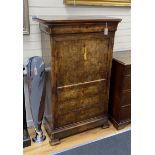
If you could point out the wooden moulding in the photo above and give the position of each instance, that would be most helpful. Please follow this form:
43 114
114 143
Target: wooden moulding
78 28
120 125
68 130
78 24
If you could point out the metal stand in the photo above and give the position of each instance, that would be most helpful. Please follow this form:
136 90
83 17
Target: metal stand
39 137
36 85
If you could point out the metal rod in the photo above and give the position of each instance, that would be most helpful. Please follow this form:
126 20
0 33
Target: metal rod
47 69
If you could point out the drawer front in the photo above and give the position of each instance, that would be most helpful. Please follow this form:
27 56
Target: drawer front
79 115
75 104
126 83
127 70
83 28
82 58
125 113
126 98
95 111
81 96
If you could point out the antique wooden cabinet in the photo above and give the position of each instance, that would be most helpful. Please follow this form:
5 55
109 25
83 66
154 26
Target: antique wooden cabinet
120 89
79 53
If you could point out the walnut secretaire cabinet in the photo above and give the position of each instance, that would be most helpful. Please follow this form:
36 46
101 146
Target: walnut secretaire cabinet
80 56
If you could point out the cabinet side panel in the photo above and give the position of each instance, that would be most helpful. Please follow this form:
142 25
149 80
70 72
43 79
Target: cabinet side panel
46 54
115 89
46 48
109 66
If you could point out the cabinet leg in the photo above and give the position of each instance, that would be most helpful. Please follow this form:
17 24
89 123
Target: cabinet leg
54 142
106 125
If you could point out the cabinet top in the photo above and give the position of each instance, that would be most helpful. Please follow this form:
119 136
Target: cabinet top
75 19
123 57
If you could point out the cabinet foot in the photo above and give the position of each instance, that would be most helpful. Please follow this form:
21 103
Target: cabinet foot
105 126
54 142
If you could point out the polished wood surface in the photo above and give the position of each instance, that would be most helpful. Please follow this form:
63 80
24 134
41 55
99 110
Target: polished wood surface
80 57
69 142
120 90
77 24
123 57
75 19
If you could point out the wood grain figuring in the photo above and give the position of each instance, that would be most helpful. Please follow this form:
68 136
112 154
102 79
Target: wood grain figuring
79 115
126 83
120 91
126 98
78 28
80 56
125 113
69 142
92 69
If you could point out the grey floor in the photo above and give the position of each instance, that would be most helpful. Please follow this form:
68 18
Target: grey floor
119 144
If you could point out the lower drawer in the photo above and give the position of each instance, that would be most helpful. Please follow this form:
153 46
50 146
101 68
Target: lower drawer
79 115
84 102
127 70
125 113
81 96
126 98
126 83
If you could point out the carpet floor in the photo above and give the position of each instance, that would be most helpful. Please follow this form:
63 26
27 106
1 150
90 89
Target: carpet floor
119 144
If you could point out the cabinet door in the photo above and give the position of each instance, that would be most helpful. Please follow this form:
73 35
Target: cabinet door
69 62
81 58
